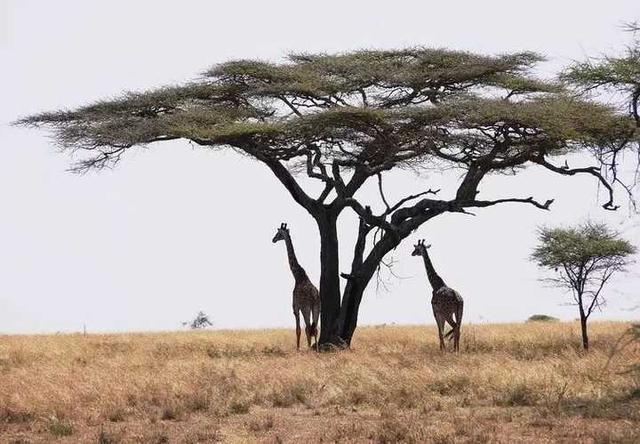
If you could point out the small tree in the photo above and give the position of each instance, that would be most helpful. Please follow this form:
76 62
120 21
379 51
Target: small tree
584 257
200 321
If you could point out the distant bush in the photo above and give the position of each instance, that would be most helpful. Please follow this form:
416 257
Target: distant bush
542 318
200 321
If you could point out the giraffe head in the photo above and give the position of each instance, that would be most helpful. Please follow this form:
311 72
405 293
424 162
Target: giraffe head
281 233
420 248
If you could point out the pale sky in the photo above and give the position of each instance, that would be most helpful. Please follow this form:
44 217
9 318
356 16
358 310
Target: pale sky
175 229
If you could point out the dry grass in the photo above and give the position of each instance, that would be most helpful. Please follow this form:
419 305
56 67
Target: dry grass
514 382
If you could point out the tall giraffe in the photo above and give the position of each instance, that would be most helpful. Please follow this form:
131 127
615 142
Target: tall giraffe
446 302
306 299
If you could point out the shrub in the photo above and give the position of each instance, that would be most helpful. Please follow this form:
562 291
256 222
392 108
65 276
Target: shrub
542 318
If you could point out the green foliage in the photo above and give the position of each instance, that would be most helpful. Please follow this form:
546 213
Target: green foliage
522 85
559 117
581 246
620 73
362 107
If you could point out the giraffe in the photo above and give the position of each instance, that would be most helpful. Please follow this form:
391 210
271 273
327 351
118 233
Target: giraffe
446 302
306 298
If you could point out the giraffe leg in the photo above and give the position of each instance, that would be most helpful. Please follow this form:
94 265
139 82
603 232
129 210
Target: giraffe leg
440 324
315 314
443 347
308 330
451 333
456 336
298 331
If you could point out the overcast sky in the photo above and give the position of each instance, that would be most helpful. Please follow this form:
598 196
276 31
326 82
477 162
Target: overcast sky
176 229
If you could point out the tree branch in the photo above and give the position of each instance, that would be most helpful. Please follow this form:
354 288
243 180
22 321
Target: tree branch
325 192
384 199
286 178
411 197
488 203
594 171
313 161
596 294
290 105
337 177
367 215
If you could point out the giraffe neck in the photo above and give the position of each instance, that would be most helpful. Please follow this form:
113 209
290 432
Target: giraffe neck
434 279
297 270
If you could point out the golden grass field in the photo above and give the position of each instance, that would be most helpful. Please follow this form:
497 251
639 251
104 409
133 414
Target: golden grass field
525 382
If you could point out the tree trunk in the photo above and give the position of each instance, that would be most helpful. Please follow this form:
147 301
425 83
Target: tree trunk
583 326
348 319
361 275
329 278
350 307
362 271
339 321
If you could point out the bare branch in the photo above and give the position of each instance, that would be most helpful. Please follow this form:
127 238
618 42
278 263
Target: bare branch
488 203
412 197
367 216
594 171
290 105
286 178
313 162
384 199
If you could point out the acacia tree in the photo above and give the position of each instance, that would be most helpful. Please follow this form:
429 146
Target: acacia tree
347 119
618 75
585 258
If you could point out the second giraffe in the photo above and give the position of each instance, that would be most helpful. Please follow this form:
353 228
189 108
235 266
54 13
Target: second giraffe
306 299
446 302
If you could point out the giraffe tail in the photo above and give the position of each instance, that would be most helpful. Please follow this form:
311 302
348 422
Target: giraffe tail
313 329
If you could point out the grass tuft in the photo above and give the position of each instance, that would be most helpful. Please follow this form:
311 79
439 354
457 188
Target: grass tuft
60 428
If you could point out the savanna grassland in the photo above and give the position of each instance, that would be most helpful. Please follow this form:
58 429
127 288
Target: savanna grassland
510 383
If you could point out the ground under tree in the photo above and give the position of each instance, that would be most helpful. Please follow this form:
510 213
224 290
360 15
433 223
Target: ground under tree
350 118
